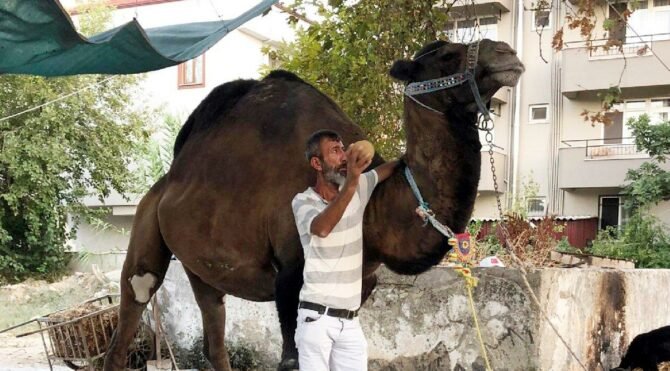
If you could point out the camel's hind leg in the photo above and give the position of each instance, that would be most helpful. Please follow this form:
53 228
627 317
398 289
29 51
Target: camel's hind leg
213 309
143 271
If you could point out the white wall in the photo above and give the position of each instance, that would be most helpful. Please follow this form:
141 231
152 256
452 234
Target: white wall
662 212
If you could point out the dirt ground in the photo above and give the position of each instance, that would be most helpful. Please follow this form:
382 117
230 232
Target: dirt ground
30 299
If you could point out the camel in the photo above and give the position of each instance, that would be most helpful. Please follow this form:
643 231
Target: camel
224 207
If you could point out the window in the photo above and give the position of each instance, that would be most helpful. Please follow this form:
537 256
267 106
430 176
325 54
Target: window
539 114
611 212
658 110
541 19
191 74
650 20
467 30
536 206
617 29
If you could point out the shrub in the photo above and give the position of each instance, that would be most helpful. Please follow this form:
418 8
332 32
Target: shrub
643 239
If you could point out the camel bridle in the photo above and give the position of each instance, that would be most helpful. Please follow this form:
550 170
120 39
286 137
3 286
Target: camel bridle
450 81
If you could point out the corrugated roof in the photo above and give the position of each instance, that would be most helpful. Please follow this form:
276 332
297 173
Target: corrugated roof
536 218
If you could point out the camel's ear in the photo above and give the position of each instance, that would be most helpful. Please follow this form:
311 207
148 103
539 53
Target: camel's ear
405 70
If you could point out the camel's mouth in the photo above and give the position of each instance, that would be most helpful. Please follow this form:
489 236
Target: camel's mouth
507 75
516 66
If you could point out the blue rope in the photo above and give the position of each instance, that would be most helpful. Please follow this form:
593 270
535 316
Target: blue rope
424 210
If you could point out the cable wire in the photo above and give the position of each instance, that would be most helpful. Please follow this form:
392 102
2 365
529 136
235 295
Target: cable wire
62 97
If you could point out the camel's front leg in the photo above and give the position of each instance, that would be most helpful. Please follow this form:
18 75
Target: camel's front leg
143 271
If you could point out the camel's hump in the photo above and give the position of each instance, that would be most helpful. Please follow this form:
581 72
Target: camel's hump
284 75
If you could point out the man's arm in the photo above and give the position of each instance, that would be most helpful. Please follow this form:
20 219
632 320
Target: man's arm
386 169
324 223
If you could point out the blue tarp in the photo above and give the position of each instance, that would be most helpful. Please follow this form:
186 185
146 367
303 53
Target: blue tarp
38 37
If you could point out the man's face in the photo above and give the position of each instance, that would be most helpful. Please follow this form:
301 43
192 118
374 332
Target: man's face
334 161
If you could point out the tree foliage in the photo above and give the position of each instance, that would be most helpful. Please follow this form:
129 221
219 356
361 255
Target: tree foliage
649 184
157 154
643 238
52 157
349 52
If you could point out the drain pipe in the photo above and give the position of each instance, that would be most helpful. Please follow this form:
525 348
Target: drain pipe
516 106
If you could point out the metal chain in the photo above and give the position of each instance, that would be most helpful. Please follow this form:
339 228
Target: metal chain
489 140
484 125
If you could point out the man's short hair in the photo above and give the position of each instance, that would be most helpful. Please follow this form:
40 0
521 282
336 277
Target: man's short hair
314 143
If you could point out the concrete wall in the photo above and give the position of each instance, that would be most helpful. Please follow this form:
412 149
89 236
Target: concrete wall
104 245
486 206
584 202
486 180
662 212
424 322
578 171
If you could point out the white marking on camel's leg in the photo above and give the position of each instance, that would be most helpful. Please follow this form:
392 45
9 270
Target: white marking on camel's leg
142 286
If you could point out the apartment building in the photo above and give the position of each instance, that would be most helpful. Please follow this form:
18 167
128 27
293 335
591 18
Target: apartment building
577 169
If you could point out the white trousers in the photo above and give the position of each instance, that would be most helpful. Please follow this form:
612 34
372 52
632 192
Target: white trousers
328 343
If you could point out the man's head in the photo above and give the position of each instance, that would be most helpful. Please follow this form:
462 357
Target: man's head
325 153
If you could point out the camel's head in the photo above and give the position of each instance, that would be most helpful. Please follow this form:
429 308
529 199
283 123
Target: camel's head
497 66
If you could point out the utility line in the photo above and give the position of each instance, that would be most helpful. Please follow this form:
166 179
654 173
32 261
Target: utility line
62 97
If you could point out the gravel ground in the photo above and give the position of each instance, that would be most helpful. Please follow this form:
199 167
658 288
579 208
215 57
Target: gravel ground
26 353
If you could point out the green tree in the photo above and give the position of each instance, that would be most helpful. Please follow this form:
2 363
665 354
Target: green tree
157 155
52 157
643 238
649 184
349 52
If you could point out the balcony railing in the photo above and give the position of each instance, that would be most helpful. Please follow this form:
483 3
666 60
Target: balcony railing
606 148
633 45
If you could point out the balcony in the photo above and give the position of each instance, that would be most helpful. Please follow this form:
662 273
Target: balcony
598 163
486 180
585 73
483 7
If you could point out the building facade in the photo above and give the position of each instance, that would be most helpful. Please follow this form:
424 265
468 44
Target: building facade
552 161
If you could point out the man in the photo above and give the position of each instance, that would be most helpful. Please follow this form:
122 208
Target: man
329 217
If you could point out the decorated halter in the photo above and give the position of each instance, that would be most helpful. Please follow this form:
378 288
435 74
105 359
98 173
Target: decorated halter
446 82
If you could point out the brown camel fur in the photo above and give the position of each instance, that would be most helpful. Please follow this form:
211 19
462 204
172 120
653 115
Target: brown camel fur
224 208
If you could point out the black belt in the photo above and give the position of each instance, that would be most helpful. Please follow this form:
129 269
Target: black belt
321 309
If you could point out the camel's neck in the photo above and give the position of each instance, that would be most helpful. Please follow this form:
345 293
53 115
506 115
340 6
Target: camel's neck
443 153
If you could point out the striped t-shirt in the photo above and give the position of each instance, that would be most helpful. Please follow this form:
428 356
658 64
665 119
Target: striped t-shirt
334 264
